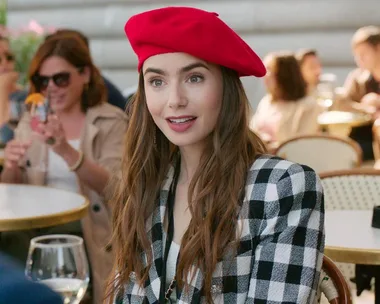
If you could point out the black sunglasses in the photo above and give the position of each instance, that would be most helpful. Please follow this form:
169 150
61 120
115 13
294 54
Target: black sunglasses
61 80
8 57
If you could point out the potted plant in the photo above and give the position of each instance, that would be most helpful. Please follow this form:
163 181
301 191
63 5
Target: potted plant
24 43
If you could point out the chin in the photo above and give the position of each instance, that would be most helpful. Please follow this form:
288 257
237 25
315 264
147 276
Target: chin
60 108
185 140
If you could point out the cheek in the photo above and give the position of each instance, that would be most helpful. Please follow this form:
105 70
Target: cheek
74 89
211 104
154 102
366 58
269 81
11 65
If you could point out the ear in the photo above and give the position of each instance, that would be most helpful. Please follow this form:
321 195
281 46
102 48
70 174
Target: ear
86 74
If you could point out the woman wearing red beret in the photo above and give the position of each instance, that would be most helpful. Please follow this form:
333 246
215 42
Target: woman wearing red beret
201 214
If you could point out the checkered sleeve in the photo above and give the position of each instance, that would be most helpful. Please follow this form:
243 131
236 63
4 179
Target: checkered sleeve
288 258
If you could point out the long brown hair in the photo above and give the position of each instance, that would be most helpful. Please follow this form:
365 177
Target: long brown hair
74 51
219 182
290 84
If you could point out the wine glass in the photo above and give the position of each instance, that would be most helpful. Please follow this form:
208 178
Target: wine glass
36 156
325 95
326 90
60 262
16 109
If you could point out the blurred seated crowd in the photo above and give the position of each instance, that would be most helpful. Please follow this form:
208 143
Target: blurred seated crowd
297 91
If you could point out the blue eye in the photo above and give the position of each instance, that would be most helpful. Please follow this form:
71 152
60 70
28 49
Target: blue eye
195 78
156 82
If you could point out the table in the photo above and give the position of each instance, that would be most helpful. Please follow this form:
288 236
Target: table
27 207
340 123
351 239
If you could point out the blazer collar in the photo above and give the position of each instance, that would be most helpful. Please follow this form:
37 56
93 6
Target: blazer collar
155 230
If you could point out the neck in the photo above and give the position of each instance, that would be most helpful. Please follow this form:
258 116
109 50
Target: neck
190 157
311 88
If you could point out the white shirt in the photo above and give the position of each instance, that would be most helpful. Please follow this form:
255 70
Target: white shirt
58 173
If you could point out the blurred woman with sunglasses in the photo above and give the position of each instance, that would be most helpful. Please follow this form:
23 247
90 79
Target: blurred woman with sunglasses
9 91
84 136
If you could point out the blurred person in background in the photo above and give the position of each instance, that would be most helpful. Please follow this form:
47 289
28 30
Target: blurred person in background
363 84
16 288
87 135
286 110
10 92
311 68
115 96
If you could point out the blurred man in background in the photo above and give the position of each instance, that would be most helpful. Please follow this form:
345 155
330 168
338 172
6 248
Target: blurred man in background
363 84
10 93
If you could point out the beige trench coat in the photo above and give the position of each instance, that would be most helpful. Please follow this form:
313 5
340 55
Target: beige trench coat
101 142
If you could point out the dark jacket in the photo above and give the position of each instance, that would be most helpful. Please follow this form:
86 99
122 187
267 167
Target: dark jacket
16 289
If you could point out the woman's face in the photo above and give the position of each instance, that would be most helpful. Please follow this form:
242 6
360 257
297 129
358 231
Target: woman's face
311 69
184 96
63 82
7 62
269 78
367 56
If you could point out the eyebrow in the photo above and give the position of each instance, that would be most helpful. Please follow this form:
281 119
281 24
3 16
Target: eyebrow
182 70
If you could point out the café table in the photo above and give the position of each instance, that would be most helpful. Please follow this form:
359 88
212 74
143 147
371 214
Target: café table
350 238
340 123
28 207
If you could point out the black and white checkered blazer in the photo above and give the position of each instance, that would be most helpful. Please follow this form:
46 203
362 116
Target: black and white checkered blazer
281 245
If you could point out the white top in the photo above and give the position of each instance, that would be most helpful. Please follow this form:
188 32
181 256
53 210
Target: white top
58 174
351 229
171 266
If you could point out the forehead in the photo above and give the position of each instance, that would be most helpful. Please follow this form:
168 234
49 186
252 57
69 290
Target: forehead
171 62
311 60
363 47
55 64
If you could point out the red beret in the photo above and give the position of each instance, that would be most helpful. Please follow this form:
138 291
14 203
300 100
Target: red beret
193 31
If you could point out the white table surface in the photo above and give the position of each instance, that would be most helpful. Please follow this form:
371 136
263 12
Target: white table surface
340 117
26 207
350 236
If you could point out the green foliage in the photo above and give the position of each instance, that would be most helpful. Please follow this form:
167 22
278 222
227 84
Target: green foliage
24 46
3 12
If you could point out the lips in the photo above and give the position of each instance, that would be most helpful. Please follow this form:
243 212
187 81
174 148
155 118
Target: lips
180 120
181 123
56 98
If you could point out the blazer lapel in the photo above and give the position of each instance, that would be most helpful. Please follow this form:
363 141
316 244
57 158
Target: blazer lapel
155 230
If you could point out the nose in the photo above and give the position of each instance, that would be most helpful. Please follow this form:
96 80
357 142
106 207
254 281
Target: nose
51 86
176 98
